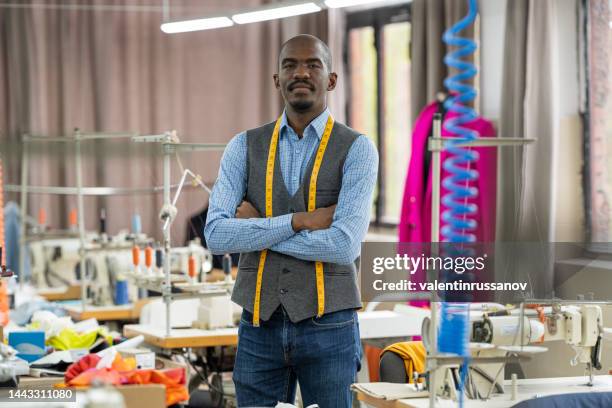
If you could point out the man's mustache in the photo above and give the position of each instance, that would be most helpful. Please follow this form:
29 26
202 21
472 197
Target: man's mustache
296 83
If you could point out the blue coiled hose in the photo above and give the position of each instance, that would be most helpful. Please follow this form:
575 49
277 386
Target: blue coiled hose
458 224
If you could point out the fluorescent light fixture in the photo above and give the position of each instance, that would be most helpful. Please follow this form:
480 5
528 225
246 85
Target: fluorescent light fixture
196 25
275 13
610 23
347 3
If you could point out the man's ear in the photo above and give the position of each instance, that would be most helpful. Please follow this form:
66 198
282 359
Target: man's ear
333 79
276 81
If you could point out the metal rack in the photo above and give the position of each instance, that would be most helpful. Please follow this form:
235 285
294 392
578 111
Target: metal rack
170 144
436 145
77 138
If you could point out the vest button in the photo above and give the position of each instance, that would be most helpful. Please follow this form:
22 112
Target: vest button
283 291
285 270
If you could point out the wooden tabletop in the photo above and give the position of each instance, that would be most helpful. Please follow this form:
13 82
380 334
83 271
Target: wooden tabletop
527 389
72 292
106 313
183 338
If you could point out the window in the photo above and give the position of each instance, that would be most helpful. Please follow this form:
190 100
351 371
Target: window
378 65
598 144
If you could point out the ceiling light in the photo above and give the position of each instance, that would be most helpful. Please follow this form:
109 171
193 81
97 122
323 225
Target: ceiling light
195 25
275 13
347 3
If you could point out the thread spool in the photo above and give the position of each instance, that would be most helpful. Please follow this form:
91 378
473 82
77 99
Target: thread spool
121 292
453 334
103 221
192 266
136 224
227 264
148 257
73 219
136 256
159 258
42 217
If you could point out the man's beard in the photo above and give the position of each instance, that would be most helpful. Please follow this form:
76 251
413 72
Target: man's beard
300 106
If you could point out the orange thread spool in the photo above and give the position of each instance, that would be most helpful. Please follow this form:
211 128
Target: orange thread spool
42 216
192 266
136 255
148 256
72 217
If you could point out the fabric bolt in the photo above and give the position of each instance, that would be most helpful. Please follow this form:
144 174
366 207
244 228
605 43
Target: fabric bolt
322 354
351 218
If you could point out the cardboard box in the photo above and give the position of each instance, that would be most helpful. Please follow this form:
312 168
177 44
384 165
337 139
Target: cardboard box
33 383
143 395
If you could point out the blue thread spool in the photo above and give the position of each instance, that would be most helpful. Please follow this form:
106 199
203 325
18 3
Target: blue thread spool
121 292
136 224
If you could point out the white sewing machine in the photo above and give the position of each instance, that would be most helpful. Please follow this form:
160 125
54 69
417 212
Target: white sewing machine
498 334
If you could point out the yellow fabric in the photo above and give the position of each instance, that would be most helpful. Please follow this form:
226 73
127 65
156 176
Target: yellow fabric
312 197
413 353
68 339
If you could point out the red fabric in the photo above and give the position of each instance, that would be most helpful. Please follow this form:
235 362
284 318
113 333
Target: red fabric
83 373
85 363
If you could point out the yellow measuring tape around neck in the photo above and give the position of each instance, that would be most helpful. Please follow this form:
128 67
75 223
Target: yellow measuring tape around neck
312 202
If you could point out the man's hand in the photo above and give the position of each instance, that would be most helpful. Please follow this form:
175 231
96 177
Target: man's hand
246 210
319 219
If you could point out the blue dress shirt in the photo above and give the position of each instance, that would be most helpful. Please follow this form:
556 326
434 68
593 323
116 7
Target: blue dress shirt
340 243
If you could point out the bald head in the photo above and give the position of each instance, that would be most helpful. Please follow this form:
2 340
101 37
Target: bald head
307 40
304 74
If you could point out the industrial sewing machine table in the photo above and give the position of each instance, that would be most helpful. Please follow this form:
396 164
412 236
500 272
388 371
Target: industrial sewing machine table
527 389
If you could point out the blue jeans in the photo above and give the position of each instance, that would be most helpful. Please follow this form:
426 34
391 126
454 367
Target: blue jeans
322 354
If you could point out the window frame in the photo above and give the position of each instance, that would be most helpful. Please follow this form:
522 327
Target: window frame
376 18
585 26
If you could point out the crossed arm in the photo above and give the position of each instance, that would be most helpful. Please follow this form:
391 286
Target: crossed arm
331 234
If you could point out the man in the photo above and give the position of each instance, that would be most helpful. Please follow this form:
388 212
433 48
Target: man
294 198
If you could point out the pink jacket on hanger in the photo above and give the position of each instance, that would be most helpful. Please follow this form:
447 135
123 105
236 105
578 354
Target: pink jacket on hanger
415 220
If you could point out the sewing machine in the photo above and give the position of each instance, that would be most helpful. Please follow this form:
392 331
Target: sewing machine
499 335
55 262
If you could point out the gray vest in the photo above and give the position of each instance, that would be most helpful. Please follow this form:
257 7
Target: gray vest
286 280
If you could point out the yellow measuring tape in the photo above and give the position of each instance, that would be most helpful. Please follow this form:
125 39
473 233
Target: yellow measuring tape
312 201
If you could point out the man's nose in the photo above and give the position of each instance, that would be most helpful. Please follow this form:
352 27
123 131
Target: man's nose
301 72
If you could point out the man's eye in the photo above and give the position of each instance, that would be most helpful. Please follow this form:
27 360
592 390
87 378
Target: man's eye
289 66
313 66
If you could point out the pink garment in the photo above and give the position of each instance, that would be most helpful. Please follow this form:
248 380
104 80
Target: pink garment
415 220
